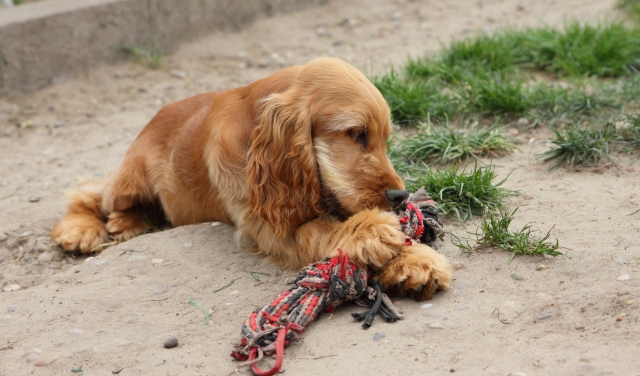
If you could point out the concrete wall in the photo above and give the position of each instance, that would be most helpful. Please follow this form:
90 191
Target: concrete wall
57 38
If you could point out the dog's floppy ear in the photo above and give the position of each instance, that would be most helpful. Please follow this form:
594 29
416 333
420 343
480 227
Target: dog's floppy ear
282 172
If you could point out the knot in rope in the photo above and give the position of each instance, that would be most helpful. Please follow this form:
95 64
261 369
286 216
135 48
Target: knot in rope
419 218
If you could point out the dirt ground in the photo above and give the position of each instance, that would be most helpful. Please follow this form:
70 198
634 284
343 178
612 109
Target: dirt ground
109 311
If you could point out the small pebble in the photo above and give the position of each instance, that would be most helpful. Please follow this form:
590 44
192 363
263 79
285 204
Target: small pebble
460 307
159 289
517 277
41 247
396 15
43 362
377 336
178 74
170 342
428 305
435 325
630 302
414 329
157 261
34 198
31 358
11 287
58 124
75 331
519 374
117 370
432 314
172 235
26 233
12 309
98 262
528 289
522 122
621 316
543 316
3 236
187 245
215 224
235 292
624 277
76 369
542 267
322 32
45 257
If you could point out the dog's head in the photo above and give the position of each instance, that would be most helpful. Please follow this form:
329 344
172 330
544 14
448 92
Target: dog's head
320 146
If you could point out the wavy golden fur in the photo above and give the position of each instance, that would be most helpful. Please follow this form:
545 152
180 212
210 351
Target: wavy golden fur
296 161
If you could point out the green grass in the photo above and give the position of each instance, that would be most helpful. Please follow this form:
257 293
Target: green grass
149 56
461 193
494 232
443 143
630 134
630 7
493 74
413 100
603 50
580 147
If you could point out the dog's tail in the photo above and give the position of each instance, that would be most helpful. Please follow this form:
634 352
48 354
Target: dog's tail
83 228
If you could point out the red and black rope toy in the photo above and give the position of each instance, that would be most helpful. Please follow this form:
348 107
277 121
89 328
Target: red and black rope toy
322 286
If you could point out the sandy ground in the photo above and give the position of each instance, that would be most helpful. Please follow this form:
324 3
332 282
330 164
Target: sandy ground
103 313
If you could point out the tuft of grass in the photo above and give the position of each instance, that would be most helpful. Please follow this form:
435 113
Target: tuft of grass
575 146
630 134
463 194
495 94
149 56
494 232
630 7
442 143
414 100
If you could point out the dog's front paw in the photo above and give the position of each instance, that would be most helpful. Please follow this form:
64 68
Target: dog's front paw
371 238
418 271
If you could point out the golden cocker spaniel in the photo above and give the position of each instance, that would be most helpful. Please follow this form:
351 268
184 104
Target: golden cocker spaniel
296 162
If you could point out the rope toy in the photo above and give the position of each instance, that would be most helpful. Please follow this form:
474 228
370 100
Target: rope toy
322 286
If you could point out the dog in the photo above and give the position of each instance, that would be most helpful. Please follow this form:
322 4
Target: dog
295 161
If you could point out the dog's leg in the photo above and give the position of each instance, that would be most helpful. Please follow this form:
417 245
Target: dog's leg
83 227
371 238
418 271
129 202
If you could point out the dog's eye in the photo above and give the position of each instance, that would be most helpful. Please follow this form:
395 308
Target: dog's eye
359 136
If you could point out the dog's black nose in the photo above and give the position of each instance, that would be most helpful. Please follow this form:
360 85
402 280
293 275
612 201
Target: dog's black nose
397 197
